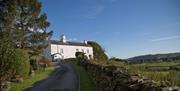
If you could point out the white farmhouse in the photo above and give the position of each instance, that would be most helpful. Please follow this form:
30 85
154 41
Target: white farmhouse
63 49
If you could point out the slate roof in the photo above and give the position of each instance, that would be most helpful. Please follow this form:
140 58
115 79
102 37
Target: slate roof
72 43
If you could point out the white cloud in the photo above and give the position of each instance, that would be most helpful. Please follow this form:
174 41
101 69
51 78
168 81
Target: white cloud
167 38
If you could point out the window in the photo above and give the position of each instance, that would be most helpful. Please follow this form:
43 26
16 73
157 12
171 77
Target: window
77 50
62 57
62 51
87 51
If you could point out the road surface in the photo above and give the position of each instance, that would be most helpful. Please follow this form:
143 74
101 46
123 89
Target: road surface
63 78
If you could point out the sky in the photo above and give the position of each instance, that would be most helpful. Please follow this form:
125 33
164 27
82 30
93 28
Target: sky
124 28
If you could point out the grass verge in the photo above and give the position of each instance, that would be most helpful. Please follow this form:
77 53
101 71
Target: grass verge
86 83
39 75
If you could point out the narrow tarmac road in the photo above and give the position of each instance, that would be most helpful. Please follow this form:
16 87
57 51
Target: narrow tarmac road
63 78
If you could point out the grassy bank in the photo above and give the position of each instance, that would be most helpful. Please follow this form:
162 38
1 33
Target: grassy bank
86 83
39 75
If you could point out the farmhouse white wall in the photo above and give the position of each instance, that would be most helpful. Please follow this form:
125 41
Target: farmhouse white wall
67 51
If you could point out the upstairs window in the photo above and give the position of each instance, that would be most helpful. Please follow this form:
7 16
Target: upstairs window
62 51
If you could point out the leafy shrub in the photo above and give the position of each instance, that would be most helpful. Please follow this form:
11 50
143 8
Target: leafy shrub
6 57
22 65
7 60
81 56
98 51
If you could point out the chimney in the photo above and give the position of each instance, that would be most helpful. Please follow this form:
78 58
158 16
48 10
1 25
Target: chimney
63 38
85 42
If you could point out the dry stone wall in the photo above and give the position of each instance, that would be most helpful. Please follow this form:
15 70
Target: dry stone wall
112 78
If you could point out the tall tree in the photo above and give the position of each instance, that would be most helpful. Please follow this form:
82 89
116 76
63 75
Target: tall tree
26 24
24 17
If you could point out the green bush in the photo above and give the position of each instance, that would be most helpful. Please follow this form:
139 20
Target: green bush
6 55
22 65
81 56
98 51
6 59
12 61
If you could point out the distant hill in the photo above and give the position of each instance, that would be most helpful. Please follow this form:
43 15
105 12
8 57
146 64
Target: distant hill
155 58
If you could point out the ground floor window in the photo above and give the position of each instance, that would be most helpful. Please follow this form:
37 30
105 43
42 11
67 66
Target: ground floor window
77 50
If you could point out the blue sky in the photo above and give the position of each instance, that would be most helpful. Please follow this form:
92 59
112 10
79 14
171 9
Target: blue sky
125 28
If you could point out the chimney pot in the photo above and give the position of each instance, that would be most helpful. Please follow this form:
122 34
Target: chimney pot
85 42
63 38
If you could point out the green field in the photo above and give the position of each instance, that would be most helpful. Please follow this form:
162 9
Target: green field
158 64
163 72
